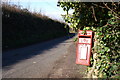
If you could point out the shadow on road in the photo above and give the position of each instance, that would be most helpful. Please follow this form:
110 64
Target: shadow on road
13 56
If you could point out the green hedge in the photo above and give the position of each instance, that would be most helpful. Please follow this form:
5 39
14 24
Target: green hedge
21 27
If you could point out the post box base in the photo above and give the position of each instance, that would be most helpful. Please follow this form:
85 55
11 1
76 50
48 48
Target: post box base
82 63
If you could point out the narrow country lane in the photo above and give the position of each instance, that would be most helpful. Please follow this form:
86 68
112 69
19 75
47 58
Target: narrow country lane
41 60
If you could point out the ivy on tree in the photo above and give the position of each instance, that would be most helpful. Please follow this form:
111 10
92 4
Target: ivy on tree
104 19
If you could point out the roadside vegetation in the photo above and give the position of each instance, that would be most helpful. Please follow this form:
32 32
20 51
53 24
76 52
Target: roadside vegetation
20 27
104 20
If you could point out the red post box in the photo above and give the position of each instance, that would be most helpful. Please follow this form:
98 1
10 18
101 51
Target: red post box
84 45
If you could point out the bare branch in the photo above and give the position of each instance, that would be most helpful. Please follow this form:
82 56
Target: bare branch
113 3
110 9
94 13
98 5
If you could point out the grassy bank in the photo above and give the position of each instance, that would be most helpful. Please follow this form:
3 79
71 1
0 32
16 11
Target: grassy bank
20 27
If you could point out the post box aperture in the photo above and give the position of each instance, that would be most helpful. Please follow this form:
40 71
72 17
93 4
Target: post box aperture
84 45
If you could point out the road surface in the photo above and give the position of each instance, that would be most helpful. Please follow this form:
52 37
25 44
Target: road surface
51 59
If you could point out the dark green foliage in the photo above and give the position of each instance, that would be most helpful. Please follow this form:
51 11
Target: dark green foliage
104 20
21 27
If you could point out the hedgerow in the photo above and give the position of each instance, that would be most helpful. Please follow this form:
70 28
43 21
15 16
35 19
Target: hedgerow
103 19
20 27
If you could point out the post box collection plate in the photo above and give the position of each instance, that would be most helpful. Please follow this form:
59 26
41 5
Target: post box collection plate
83 50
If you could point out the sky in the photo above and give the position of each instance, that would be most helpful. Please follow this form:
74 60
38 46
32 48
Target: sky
46 7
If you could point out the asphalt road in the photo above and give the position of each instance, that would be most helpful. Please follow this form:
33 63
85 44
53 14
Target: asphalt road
41 60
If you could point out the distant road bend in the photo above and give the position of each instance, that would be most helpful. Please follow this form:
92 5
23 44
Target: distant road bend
35 61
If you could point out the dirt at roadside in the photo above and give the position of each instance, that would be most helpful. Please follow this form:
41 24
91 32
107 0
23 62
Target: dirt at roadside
66 66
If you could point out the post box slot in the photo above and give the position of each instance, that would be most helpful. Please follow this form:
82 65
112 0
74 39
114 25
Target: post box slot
84 37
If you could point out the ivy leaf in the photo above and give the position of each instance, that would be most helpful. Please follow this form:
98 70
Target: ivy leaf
107 36
87 28
100 34
112 22
107 49
110 15
84 32
115 67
